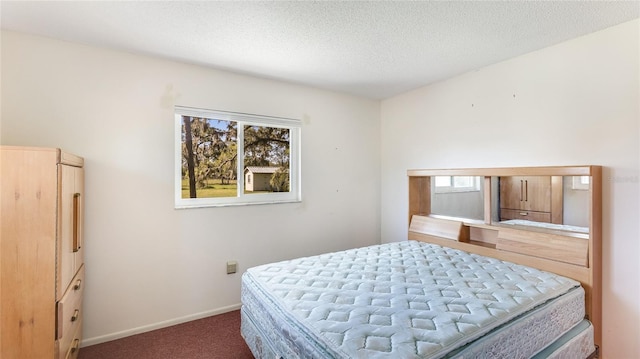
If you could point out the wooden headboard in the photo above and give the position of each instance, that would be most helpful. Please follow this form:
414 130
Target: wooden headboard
568 253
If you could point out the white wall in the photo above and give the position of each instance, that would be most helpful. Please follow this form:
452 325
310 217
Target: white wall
150 265
571 104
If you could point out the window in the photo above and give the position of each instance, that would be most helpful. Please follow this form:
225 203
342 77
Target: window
446 184
580 182
226 158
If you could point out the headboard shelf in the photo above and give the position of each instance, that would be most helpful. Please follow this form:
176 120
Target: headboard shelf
444 228
556 247
559 246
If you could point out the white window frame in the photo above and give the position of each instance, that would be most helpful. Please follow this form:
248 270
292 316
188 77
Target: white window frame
451 188
582 183
242 120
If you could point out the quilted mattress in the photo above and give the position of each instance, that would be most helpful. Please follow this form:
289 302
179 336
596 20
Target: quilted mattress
405 300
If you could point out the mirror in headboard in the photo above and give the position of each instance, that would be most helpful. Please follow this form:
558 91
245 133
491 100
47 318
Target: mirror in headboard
457 196
545 202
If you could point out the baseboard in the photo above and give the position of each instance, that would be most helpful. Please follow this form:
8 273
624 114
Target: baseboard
147 328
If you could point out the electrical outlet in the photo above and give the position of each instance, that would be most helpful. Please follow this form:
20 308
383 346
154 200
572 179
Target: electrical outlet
232 267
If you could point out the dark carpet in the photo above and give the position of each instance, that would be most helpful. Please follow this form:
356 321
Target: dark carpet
213 337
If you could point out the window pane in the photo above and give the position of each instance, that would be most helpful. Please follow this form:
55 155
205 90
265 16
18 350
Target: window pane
443 181
581 182
584 180
209 153
450 184
463 181
266 159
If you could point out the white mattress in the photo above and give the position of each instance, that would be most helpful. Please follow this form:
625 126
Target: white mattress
561 227
406 299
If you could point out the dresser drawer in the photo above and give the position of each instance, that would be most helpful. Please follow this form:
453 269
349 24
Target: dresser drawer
69 313
506 214
73 347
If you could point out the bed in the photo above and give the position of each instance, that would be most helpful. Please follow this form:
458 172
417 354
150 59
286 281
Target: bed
445 292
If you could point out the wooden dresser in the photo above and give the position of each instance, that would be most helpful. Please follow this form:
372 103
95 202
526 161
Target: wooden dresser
41 253
534 198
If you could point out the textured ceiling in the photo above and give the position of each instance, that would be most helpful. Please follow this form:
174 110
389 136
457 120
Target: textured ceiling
372 49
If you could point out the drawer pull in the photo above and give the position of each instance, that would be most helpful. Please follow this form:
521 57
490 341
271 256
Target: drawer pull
523 213
76 345
76 315
77 285
77 244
